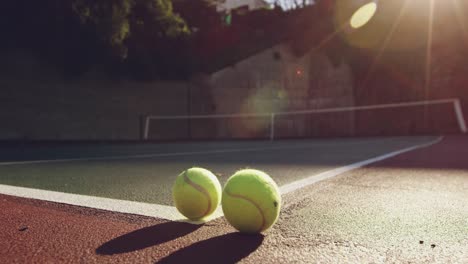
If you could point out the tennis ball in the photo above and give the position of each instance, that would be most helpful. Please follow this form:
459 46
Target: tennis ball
196 193
251 201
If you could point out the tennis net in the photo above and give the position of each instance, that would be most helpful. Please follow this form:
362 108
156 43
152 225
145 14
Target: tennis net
433 117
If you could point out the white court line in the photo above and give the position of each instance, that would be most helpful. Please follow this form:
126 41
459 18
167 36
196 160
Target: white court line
293 186
114 205
170 212
143 156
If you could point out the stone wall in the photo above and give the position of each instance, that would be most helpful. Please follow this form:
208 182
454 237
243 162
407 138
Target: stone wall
84 110
37 104
275 80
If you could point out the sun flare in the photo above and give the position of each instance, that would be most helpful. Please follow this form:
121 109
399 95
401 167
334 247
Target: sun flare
363 15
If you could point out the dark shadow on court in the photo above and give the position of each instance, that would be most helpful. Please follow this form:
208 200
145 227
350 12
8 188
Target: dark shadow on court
146 237
229 248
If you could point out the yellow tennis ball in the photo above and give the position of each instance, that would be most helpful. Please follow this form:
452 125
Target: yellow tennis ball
251 201
196 193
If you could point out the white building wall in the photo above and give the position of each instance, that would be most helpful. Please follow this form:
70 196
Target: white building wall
227 5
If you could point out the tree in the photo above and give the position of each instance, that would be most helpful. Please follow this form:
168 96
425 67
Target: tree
114 20
73 35
200 15
109 18
157 42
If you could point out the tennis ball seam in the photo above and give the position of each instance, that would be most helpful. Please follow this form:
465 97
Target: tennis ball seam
200 189
254 204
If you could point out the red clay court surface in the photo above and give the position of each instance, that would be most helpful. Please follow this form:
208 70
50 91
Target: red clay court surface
409 208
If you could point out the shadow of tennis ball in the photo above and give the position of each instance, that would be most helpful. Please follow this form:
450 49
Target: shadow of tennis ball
146 237
229 248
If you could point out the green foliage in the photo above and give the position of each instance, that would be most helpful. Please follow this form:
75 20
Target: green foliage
75 35
114 20
158 18
146 39
199 14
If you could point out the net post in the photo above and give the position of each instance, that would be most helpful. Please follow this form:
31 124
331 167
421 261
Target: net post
272 127
146 127
459 114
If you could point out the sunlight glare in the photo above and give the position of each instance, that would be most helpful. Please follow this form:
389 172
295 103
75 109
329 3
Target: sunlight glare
363 15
